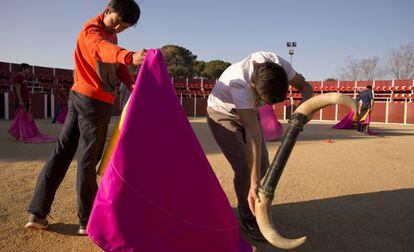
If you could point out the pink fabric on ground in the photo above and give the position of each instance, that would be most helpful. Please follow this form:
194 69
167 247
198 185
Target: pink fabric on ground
24 129
159 192
349 122
62 114
272 128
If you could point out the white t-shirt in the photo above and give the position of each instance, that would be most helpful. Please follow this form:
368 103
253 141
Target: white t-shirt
234 90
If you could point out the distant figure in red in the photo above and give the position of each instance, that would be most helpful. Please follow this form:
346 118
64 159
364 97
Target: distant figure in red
21 92
23 127
61 105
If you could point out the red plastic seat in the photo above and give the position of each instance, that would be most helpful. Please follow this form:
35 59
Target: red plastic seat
4 74
5 84
208 86
194 86
180 86
378 89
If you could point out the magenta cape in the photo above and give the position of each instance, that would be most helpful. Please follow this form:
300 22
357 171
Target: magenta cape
24 129
159 192
272 128
350 122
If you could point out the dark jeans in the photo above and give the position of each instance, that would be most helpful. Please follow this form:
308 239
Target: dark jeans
58 108
230 136
86 126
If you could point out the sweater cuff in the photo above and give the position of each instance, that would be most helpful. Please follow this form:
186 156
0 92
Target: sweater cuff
125 57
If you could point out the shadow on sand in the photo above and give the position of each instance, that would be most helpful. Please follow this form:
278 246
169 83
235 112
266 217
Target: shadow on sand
64 229
381 221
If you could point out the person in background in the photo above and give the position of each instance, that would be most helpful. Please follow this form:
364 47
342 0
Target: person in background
61 100
21 91
365 105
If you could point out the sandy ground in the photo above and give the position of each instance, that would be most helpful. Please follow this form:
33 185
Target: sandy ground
355 194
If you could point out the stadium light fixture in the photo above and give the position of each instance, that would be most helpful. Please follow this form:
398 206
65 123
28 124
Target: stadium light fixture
290 45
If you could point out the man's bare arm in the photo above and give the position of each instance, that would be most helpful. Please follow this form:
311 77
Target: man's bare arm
253 138
302 86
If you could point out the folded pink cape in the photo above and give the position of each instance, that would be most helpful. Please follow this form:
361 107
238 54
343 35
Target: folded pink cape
159 192
272 128
62 114
350 122
24 129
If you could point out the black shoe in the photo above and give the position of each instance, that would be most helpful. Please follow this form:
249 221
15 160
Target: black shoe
36 222
251 229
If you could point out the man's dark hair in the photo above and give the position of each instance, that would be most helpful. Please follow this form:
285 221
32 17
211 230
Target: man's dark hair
128 10
270 82
369 87
23 66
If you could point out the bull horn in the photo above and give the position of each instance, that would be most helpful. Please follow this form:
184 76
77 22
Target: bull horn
264 220
317 102
302 115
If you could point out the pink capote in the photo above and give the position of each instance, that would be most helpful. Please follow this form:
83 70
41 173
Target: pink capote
272 128
159 192
24 129
62 114
350 122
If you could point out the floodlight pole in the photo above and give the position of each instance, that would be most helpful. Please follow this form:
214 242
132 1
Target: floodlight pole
290 45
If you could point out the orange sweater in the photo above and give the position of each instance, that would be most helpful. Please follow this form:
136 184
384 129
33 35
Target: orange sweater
99 62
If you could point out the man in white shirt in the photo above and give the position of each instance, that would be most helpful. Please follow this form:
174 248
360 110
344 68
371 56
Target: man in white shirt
232 115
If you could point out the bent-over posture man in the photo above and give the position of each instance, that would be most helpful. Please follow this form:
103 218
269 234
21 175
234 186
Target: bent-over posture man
261 78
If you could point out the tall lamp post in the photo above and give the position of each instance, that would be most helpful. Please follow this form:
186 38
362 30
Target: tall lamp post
291 45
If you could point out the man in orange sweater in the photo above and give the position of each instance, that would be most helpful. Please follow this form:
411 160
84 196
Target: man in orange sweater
99 64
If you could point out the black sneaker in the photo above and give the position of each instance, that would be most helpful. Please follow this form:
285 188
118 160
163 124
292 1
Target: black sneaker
37 222
82 230
251 228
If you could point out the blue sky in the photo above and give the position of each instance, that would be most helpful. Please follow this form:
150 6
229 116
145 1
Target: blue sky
43 32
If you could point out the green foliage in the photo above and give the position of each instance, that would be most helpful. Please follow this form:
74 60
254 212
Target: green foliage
199 68
180 61
213 69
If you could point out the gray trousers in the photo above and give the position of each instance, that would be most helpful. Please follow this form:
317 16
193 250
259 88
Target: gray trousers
229 134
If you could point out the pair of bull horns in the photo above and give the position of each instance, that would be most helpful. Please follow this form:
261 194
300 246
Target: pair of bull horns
302 115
